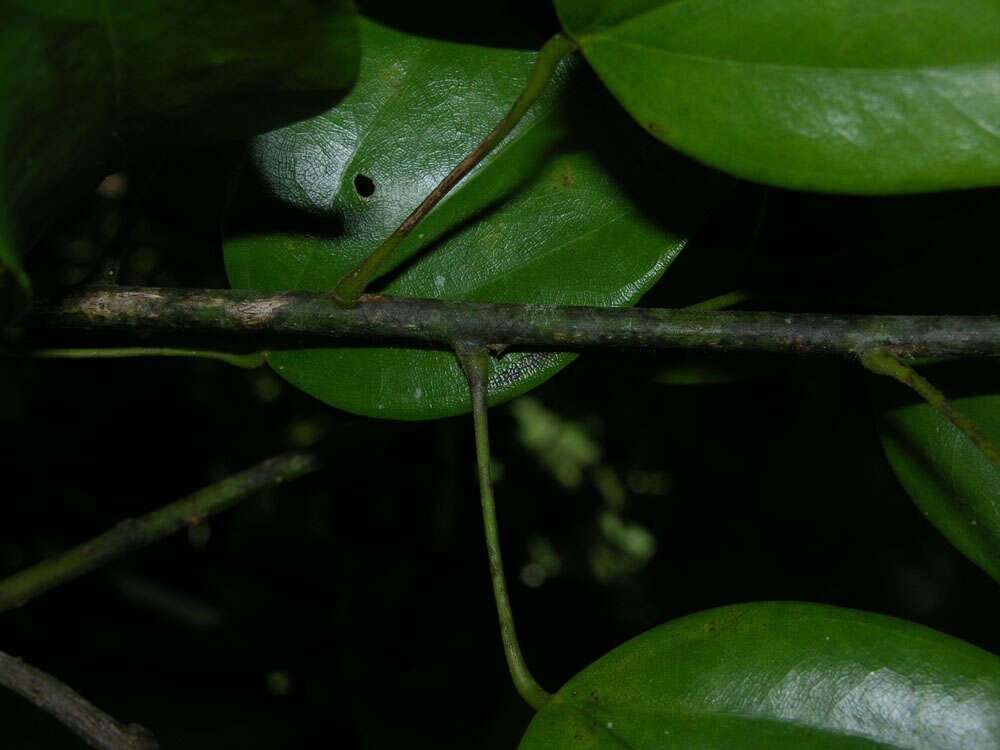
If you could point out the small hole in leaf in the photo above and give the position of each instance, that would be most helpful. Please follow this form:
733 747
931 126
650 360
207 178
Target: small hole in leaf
365 185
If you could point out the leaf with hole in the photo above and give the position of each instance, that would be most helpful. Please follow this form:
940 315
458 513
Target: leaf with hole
871 96
945 474
559 213
776 675
86 88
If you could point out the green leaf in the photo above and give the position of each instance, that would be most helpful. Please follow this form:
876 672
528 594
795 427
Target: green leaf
868 96
570 209
944 473
87 87
779 675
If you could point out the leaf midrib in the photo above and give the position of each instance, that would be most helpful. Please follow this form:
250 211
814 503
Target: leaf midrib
811 69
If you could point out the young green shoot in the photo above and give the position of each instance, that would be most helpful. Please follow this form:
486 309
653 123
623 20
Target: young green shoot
251 360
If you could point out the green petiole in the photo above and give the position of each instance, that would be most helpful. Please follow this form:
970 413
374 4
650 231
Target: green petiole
882 362
475 362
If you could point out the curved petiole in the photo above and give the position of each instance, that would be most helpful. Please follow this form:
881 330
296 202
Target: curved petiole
474 360
882 362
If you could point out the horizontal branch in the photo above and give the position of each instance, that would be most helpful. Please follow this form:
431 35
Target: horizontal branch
314 319
90 723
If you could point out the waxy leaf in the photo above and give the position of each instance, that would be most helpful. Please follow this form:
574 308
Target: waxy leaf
572 208
869 96
778 675
943 472
86 87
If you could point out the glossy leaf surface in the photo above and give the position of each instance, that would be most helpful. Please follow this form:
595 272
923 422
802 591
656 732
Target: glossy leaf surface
868 96
944 473
779 675
572 208
85 87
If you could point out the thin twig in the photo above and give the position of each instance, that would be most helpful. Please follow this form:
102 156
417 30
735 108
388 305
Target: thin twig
250 360
475 362
351 287
90 723
134 533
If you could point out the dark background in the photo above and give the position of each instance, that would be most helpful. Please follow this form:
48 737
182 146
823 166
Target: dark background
353 608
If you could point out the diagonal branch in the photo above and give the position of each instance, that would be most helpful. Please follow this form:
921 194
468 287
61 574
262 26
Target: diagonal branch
94 726
134 533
